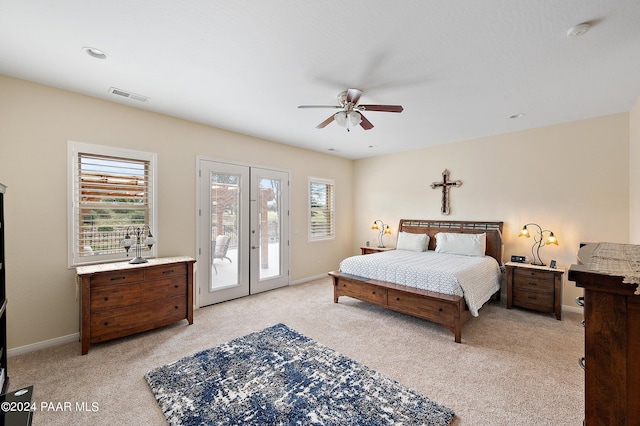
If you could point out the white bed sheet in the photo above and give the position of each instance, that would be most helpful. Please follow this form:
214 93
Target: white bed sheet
475 278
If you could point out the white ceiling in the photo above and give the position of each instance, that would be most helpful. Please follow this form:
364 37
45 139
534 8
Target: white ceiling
460 68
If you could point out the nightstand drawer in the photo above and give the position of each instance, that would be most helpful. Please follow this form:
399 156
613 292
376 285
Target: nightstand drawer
527 279
533 300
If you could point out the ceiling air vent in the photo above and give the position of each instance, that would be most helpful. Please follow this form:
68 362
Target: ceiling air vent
125 94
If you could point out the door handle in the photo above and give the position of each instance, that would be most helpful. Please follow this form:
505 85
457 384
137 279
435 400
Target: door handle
255 247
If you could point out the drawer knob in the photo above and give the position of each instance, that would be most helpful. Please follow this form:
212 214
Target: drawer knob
177 307
397 298
176 286
533 284
106 323
117 278
532 297
106 298
170 271
440 310
373 292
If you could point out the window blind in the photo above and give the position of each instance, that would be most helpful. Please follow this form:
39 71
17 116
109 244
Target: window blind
112 193
321 208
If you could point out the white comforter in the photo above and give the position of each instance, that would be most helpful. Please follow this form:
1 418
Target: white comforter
475 278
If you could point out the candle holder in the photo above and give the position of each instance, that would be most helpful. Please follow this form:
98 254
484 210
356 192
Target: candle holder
139 233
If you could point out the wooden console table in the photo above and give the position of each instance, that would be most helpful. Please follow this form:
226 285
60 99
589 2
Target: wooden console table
119 299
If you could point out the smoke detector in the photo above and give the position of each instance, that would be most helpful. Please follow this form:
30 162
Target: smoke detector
578 30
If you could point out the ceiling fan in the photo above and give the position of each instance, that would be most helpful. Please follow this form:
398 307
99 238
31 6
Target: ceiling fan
351 113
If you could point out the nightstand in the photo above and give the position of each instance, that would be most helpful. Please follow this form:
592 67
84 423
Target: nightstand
534 287
370 250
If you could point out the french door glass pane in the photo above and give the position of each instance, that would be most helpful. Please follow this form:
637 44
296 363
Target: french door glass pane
270 216
225 202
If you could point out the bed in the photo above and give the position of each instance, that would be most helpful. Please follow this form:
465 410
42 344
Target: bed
375 286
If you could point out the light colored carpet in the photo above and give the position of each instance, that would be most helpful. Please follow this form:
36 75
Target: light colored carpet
514 367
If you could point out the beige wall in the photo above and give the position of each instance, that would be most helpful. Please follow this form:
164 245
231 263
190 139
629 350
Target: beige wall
571 178
574 178
35 124
634 174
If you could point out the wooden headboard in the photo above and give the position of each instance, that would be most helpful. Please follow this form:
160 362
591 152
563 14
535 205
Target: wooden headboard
432 227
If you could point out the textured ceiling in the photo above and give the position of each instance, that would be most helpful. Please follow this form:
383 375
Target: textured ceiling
459 68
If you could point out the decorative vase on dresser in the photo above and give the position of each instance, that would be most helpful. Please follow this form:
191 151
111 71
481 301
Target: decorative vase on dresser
119 299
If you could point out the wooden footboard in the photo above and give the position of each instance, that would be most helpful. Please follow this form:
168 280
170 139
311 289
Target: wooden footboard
443 309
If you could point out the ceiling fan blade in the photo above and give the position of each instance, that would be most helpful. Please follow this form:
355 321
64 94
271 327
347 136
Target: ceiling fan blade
319 106
383 108
325 122
366 124
353 95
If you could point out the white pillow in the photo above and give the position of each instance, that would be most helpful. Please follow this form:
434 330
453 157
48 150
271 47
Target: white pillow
466 244
412 242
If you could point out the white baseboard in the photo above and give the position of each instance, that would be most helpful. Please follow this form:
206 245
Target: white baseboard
306 280
44 344
574 309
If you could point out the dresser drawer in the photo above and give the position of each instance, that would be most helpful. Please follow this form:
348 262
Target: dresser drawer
364 292
166 271
114 323
414 305
533 300
117 296
532 280
117 277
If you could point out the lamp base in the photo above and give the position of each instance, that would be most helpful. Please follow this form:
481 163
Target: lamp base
137 260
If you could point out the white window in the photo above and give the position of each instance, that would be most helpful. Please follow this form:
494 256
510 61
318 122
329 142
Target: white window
321 209
111 195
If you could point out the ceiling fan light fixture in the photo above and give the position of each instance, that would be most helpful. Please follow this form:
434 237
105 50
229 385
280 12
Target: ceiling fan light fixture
347 119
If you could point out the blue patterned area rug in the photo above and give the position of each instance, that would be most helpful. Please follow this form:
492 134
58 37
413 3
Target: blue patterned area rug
278 376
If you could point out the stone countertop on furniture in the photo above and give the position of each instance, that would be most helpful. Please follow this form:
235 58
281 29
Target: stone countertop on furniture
118 266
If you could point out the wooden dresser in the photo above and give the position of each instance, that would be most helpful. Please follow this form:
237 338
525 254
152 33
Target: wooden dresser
119 299
612 347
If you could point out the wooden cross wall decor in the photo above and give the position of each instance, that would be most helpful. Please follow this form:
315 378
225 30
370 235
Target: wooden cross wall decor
445 184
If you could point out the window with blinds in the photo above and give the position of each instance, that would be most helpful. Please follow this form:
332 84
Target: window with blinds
321 209
113 193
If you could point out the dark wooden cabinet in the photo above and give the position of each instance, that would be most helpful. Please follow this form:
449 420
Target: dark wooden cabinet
4 378
120 299
534 287
612 347
371 250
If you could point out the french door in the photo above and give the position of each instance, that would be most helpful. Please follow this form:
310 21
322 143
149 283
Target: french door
243 231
